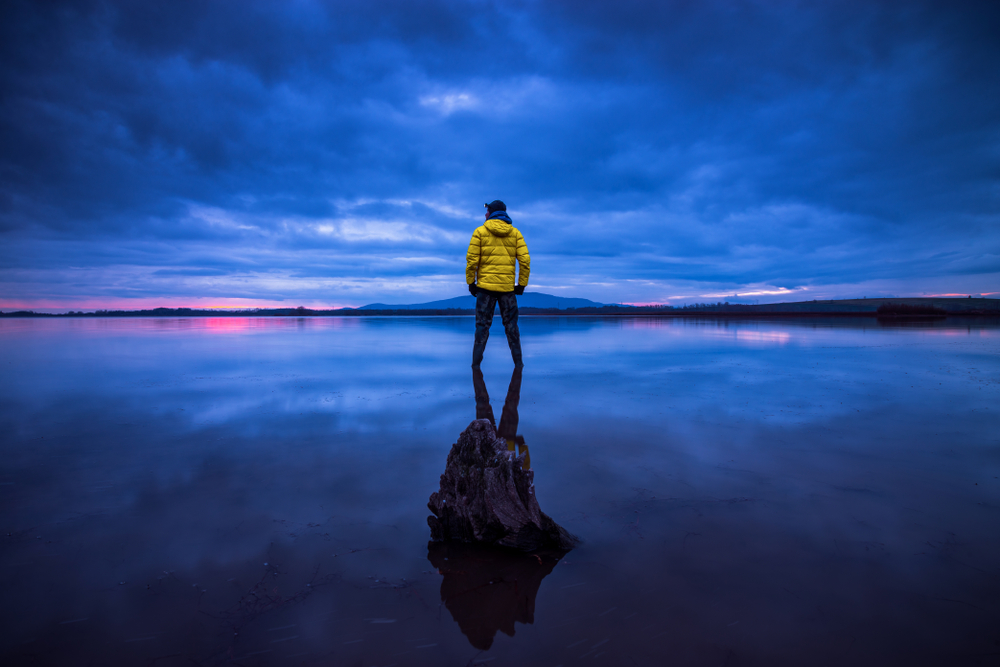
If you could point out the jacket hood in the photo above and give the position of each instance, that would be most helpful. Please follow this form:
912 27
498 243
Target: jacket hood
498 227
499 223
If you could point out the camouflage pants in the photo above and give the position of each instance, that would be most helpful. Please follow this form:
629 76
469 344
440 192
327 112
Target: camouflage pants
486 302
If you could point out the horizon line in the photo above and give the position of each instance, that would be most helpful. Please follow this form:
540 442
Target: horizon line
647 304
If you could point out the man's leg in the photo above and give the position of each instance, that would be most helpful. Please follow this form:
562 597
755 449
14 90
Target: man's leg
508 313
508 417
485 304
483 408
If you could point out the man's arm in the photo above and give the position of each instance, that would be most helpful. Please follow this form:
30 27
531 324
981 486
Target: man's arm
523 260
472 258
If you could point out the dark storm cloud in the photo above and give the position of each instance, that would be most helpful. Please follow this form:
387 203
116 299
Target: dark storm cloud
341 152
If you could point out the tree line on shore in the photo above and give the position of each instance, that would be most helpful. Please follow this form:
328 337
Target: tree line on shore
908 307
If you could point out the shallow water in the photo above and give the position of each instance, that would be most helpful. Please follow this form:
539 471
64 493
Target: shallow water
207 491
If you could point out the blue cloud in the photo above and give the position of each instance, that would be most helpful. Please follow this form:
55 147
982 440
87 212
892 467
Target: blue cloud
340 152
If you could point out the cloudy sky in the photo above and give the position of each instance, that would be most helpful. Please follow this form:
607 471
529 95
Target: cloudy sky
241 153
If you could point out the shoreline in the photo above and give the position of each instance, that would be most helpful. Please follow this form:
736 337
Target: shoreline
908 309
526 313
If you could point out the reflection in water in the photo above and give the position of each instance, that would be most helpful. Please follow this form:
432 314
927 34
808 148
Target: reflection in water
831 500
488 588
508 417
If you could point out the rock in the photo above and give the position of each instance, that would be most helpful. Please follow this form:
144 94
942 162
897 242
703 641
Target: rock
488 497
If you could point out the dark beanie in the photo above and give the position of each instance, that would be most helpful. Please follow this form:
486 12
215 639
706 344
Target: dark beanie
495 205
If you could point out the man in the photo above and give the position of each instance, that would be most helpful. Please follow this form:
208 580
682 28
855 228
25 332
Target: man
489 272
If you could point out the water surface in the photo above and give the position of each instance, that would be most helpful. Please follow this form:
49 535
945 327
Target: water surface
209 491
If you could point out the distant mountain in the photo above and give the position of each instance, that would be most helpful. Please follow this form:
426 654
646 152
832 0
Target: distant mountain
468 302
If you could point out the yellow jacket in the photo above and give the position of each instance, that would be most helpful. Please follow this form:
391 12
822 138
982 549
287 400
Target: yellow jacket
492 251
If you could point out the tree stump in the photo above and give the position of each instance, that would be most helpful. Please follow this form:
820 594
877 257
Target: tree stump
487 497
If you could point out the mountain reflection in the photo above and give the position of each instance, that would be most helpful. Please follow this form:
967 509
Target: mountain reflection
489 588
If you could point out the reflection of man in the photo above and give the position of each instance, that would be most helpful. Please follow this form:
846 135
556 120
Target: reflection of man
486 588
507 430
489 271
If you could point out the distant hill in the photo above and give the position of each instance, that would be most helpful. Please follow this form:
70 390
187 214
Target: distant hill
545 304
468 302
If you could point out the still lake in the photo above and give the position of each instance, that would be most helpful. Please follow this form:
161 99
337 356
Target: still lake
254 491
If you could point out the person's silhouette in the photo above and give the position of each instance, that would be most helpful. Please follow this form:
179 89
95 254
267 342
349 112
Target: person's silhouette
507 430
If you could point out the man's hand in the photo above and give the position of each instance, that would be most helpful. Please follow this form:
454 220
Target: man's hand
519 289
473 290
